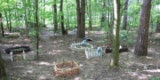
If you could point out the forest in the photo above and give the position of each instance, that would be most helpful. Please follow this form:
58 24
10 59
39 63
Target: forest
79 40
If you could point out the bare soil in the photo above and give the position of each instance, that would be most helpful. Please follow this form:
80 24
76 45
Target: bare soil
57 48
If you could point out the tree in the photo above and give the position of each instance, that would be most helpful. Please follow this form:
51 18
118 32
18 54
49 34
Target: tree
1 24
62 18
110 20
115 52
125 17
142 38
37 27
55 15
158 27
158 23
80 18
90 13
103 18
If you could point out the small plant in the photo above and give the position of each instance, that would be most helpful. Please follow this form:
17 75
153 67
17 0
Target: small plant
155 78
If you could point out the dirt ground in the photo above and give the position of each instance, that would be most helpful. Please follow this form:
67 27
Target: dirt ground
56 48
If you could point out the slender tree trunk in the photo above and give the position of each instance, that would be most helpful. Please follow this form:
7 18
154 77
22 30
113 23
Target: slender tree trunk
2 29
115 52
110 20
1 24
158 23
142 39
3 75
90 14
44 10
16 14
80 18
10 22
125 18
29 10
55 15
37 28
25 18
9 17
103 18
158 27
62 18
6 16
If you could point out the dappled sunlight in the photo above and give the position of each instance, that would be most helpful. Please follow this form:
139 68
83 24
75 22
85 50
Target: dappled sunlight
53 52
148 57
45 63
140 76
95 32
133 74
42 77
144 76
153 71
40 46
77 78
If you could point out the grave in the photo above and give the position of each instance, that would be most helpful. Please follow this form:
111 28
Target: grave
90 52
66 69
18 52
81 46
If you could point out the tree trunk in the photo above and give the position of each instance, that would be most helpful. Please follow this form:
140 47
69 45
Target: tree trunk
142 39
2 29
1 24
125 15
103 18
158 23
3 75
37 28
80 18
44 11
25 18
115 52
90 14
62 18
6 16
10 22
55 15
158 27
110 20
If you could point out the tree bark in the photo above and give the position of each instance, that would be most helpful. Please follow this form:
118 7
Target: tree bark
90 14
142 39
55 15
62 18
115 52
110 20
26 20
125 18
10 22
103 18
80 18
37 28
6 16
158 23
158 27
44 11
1 24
